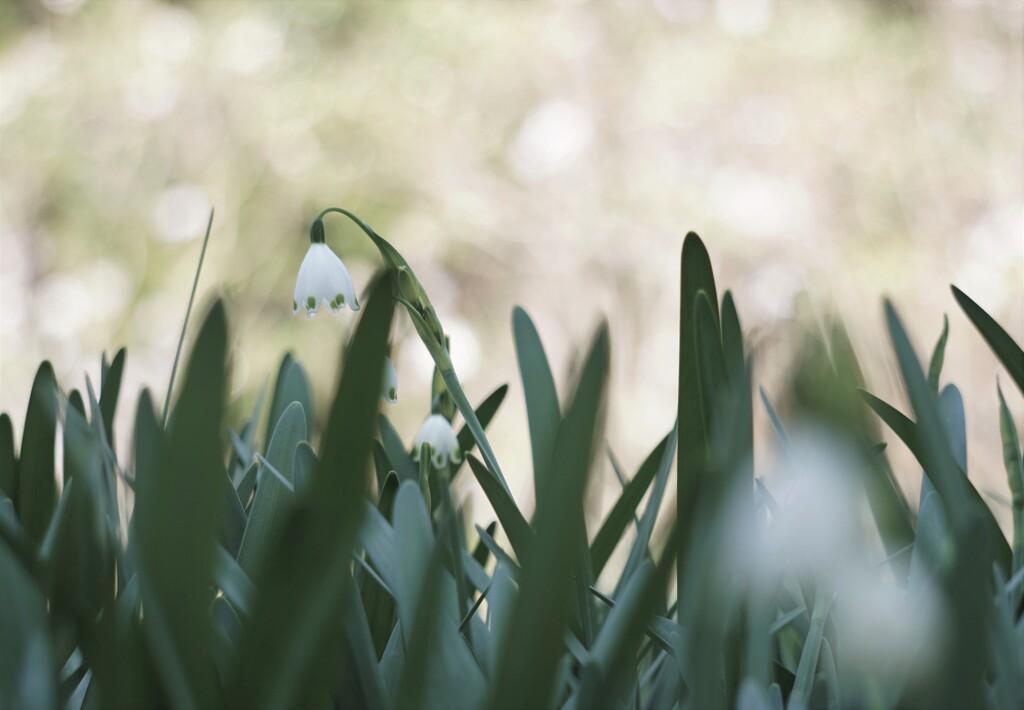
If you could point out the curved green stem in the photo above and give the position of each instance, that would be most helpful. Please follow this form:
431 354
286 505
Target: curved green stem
410 293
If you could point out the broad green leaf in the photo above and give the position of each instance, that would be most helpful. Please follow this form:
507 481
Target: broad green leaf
274 500
710 361
247 483
1012 460
379 606
801 694
83 560
1008 352
378 539
292 386
8 460
37 485
1006 650
697 279
732 339
176 521
232 580
938 356
233 520
292 648
228 630
439 669
110 388
400 459
953 419
27 676
542 410
978 540
932 554
528 662
75 400
364 655
302 469
622 512
450 538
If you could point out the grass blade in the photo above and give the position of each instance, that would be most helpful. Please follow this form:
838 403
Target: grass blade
37 485
623 511
528 662
938 356
110 388
184 325
542 409
697 279
1008 352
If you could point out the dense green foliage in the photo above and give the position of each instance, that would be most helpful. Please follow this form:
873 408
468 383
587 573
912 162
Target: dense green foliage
257 571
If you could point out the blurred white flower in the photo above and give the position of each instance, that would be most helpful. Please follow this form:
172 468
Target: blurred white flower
389 385
323 279
437 433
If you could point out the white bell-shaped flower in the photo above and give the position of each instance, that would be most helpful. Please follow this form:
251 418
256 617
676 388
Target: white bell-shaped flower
389 385
437 433
323 280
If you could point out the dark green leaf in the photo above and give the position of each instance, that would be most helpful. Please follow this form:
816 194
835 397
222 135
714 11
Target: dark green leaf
1014 464
274 500
623 511
27 675
542 409
485 411
8 460
364 655
232 580
176 520
292 386
938 356
83 560
697 278
303 468
401 461
527 673
1008 352
515 525
110 388
639 551
480 552
292 649
37 486
732 339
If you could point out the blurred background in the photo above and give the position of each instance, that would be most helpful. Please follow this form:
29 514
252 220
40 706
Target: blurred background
550 154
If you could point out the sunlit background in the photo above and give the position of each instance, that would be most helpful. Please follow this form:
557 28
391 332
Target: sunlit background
551 155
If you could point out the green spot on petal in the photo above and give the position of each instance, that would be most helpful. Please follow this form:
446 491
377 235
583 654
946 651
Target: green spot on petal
295 306
392 394
310 303
340 298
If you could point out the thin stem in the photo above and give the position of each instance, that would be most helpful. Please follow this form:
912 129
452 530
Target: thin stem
184 326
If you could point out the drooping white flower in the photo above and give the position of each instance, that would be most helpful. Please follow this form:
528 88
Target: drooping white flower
437 433
323 280
389 385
